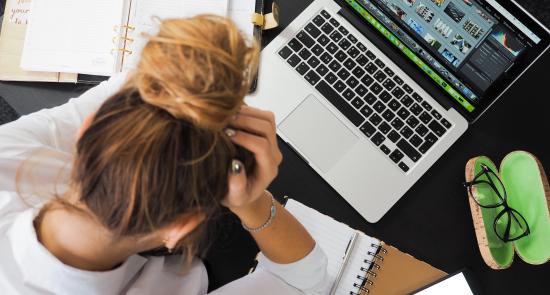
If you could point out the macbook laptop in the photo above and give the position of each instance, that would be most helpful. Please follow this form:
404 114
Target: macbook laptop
372 92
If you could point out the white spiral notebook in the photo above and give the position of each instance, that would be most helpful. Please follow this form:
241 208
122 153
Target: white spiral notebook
360 264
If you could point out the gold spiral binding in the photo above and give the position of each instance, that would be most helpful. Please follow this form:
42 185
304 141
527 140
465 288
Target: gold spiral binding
127 27
372 271
118 38
124 50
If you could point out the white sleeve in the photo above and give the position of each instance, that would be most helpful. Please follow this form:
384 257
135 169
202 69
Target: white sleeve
48 137
306 276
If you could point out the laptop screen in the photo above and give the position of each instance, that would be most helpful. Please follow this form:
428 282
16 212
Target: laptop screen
471 49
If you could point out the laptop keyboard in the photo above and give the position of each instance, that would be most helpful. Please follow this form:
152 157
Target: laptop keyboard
375 99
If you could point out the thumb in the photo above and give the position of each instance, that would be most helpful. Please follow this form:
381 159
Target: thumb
237 185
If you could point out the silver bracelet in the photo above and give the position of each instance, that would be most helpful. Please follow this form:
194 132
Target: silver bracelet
272 214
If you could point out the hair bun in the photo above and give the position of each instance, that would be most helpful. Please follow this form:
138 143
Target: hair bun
197 69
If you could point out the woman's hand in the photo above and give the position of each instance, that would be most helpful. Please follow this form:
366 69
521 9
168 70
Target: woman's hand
254 130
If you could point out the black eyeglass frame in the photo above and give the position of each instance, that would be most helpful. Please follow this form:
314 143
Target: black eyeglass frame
503 202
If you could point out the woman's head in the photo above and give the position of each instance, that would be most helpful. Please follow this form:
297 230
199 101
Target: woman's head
155 152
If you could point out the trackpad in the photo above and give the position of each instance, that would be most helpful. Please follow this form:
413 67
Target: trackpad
317 133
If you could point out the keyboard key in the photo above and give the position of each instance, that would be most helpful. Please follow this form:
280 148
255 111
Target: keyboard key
437 128
378 138
406 132
384 128
385 149
312 77
349 64
305 39
285 52
312 30
343 30
425 118
362 60
332 48
375 119
436 114
397 123
327 28
325 14
293 60
426 106
343 74
348 94
398 92
416 140
380 76
361 90
322 70
304 54
326 58
344 43
407 88
367 111
446 123
367 80
348 111
396 156
318 20
317 50
353 52
385 96
371 68
313 62
361 47
335 36
394 105
389 72
407 101
335 66
352 82
412 122
331 78
379 107
379 63
376 88
370 98
425 147
367 129
398 80
334 22
388 115
352 39
323 40
408 150
431 138
340 56
302 68
295 45
357 102
421 130
403 167
417 97
394 136
416 109
389 84
358 72
339 86
370 54
403 113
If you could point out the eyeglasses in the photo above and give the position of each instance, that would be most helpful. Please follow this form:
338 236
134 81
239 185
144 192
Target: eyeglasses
509 225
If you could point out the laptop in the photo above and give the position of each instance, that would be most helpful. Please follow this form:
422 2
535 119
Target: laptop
370 93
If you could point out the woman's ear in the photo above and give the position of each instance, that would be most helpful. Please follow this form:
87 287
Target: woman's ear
181 228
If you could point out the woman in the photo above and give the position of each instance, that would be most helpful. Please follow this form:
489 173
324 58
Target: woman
158 152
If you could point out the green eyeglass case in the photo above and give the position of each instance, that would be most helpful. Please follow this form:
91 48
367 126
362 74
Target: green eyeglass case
529 193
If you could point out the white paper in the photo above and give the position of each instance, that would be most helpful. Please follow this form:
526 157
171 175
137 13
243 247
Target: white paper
240 11
455 285
196 7
19 12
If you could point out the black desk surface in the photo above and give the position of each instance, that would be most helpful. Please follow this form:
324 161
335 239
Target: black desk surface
432 221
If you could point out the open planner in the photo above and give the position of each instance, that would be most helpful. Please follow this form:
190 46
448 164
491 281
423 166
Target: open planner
102 37
359 264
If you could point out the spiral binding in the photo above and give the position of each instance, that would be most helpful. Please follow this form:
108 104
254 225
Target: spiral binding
122 37
370 270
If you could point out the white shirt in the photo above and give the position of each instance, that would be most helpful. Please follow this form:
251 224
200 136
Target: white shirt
43 144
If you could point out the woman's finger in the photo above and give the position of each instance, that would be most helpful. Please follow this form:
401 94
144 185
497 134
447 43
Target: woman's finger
237 185
256 126
266 164
260 114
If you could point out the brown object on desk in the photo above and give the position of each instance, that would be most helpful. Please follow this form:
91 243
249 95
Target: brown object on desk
398 273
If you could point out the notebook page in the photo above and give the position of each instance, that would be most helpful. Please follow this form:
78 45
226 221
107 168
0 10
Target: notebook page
332 236
72 36
195 7
240 11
